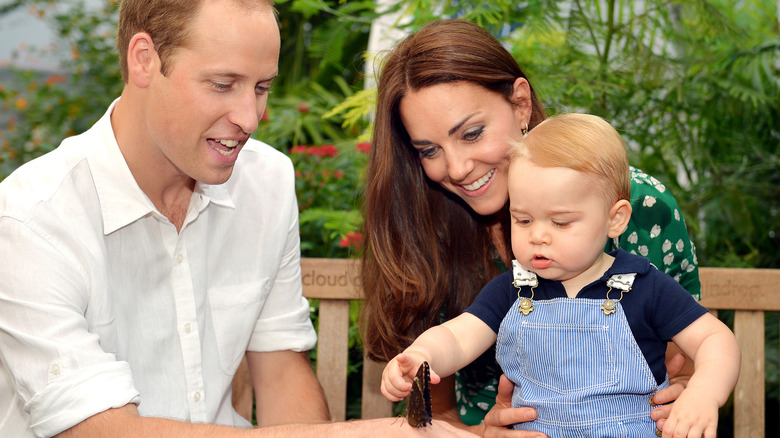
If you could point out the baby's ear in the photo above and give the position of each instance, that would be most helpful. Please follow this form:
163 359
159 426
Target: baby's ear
619 215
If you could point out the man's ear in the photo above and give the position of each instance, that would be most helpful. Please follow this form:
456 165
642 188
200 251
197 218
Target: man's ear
619 215
142 60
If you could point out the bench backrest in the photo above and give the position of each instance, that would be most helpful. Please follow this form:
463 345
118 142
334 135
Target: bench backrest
749 292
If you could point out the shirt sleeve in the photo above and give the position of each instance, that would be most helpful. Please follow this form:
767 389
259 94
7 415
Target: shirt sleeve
658 232
494 300
57 368
284 323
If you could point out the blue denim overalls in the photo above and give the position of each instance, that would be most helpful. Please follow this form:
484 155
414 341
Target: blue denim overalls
576 362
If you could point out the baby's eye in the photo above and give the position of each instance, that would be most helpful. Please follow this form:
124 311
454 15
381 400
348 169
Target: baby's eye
561 224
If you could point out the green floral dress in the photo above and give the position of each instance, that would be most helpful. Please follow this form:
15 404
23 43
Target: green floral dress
656 231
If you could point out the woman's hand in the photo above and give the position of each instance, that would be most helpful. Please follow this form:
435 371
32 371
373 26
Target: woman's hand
502 415
679 374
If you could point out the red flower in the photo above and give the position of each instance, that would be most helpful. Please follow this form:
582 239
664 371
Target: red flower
338 174
353 239
303 107
326 150
300 149
363 147
265 115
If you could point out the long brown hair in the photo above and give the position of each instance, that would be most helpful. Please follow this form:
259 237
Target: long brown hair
427 254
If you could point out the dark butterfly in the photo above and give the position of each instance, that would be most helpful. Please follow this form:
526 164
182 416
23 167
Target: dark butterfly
418 407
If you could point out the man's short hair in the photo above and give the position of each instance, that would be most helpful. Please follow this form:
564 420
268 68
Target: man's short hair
166 21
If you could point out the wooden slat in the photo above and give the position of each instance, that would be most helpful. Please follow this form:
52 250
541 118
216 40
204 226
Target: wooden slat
332 355
336 281
749 393
331 278
740 289
374 404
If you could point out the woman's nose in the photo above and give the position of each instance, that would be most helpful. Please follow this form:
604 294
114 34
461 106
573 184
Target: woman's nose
459 165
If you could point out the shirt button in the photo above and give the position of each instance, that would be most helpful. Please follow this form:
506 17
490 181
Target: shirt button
55 369
179 258
187 327
196 396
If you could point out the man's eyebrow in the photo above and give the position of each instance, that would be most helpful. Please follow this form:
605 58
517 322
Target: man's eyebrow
233 75
462 122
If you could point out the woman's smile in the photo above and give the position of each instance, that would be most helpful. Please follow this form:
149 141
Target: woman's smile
480 182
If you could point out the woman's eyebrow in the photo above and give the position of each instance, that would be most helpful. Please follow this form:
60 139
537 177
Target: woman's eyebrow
462 122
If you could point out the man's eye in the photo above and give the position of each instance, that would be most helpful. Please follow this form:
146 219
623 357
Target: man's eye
221 86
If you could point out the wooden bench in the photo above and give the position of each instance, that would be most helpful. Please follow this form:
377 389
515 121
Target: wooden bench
334 282
749 292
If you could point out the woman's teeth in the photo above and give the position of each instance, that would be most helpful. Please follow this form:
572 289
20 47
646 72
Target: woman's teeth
480 182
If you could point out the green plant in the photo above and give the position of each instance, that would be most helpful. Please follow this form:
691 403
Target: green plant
692 85
45 108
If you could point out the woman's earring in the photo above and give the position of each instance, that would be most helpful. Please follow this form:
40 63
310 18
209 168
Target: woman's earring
524 131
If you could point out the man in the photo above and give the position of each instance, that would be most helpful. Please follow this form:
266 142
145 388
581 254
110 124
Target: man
143 258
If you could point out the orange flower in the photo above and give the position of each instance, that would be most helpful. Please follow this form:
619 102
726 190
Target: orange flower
21 103
55 79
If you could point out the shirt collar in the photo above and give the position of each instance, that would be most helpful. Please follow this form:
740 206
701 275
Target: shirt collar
624 263
122 201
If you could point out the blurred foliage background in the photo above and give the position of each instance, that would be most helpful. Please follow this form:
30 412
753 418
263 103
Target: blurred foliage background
692 85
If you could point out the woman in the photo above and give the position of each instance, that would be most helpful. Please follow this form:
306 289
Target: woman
436 223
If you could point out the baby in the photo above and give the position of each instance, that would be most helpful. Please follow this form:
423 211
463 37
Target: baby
581 333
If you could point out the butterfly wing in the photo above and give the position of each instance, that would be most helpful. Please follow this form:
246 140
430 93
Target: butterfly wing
418 407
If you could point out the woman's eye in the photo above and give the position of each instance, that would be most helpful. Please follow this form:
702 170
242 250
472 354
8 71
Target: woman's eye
259 89
474 134
427 152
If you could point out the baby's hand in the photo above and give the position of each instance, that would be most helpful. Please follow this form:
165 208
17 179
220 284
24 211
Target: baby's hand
398 376
692 415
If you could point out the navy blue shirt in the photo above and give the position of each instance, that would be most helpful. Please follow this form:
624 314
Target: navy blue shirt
656 308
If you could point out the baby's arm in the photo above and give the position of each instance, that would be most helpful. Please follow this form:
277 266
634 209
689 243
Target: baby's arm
716 357
447 348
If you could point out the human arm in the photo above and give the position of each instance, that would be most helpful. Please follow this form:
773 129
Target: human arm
498 419
716 356
446 347
287 389
679 368
658 232
125 422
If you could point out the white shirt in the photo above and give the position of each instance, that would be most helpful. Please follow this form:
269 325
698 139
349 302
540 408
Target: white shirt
104 303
